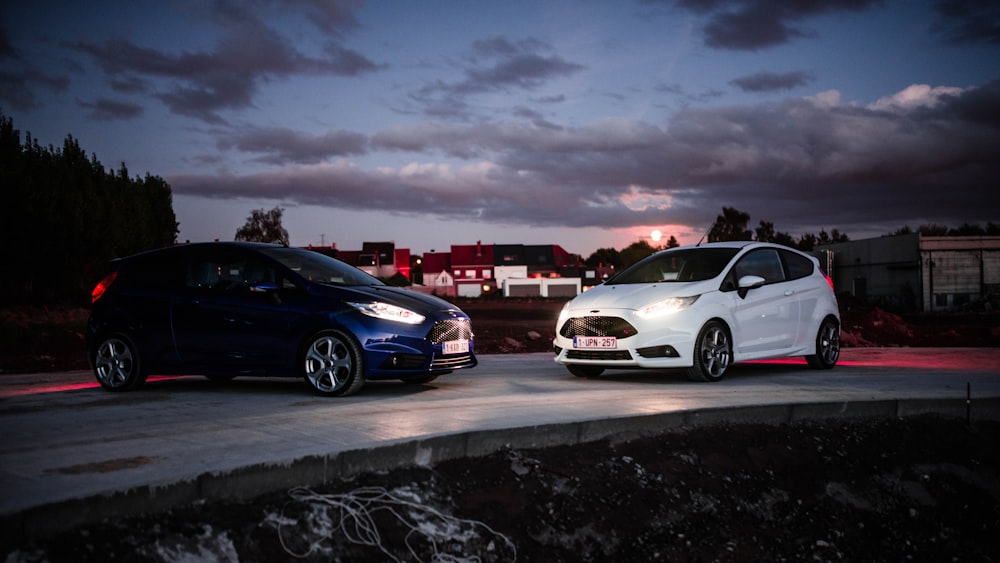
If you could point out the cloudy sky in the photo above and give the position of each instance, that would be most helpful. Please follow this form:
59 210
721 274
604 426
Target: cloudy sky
581 123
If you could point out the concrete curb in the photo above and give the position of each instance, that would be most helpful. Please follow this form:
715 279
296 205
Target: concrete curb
251 481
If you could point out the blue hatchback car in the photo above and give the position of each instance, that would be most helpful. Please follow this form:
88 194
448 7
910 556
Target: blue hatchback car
231 309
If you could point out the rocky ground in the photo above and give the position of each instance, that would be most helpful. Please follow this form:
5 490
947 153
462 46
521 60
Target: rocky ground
920 489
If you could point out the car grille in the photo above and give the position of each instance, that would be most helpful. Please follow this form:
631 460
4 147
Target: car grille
451 329
455 361
598 355
597 326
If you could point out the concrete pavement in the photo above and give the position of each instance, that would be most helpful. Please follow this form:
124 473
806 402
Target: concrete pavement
73 453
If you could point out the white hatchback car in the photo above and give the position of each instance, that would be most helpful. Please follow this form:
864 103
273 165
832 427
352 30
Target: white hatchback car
702 308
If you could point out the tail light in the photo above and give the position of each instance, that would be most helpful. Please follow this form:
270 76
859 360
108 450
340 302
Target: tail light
829 280
103 286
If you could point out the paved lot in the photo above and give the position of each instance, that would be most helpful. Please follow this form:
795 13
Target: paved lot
72 451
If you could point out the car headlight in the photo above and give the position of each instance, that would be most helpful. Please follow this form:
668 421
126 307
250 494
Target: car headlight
388 312
665 307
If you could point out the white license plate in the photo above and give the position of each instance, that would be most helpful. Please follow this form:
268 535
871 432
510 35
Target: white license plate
595 342
456 347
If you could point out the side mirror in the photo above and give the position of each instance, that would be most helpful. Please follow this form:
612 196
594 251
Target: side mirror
747 283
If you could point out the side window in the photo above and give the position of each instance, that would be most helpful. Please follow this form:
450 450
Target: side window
798 266
764 263
229 271
156 271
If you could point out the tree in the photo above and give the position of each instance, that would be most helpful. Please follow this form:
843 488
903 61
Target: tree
635 252
672 242
731 225
765 232
605 257
76 215
263 226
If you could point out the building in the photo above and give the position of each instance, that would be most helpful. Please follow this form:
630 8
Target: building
437 276
380 259
917 273
473 270
472 266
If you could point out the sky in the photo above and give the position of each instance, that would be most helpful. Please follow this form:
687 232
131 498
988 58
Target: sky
587 124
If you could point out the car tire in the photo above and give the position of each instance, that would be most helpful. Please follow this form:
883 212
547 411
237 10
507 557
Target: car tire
333 364
713 352
117 365
585 371
827 345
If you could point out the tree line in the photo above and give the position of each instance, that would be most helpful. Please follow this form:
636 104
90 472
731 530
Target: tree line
64 216
733 224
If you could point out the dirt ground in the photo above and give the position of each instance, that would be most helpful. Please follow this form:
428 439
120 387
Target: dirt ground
920 489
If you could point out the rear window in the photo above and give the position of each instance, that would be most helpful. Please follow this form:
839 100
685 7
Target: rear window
156 270
798 266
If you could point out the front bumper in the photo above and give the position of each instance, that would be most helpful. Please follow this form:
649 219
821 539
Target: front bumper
666 343
406 355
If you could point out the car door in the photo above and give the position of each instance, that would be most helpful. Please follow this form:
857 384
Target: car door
231 319
766 317
810 289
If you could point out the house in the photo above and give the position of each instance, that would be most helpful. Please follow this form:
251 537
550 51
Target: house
437 276
380 259
508 261
916 272
536 270
472 267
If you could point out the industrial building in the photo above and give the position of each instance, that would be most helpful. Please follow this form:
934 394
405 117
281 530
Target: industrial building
913 272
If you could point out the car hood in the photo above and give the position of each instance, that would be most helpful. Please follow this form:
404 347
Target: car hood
415 301
636 295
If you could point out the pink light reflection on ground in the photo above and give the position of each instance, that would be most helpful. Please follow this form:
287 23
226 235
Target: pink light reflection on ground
63 387
909 358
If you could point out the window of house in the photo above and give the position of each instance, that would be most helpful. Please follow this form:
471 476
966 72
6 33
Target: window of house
487 274
470 274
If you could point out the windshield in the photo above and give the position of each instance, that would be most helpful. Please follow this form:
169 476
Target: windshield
686 265
320 268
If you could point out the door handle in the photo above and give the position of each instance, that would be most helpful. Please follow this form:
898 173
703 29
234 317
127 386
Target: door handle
789 292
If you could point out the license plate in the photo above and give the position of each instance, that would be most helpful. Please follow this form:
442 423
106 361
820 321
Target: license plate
592 342
456 347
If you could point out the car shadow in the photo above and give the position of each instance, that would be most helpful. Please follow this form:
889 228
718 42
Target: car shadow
677 376
272 386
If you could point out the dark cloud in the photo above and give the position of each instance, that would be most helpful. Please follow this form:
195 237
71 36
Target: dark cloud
201 84
758 24
772 81
19 79
495 64
19 84
284 146
104 109
332 16
968 21
925 155
7 50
